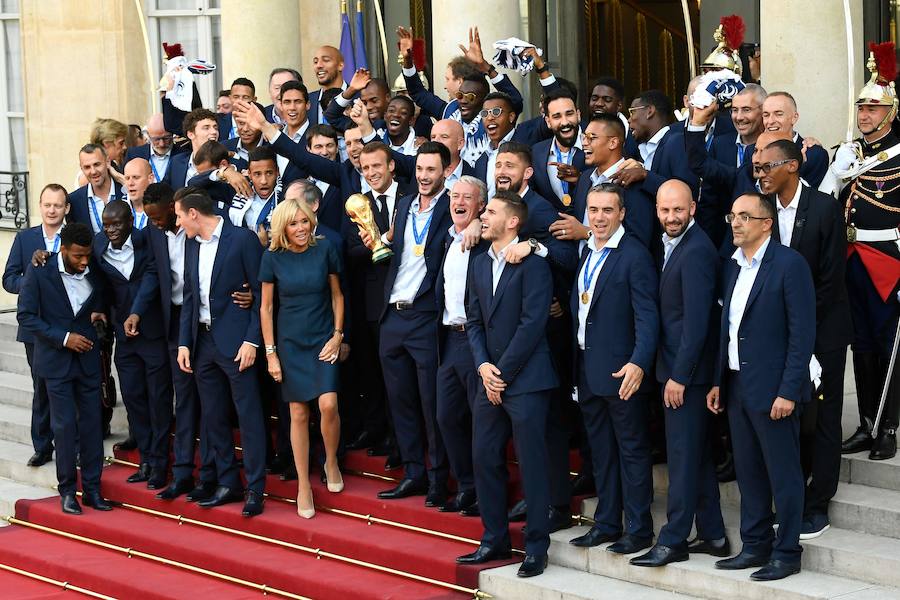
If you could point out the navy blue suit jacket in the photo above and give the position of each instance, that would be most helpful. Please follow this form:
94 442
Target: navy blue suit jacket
688 312
237 263
434 106
670 162
777 332
540 181
640 208
224 123
622 324
80 212
139 294
18 263
434 242
178 168
159 247
234 159
507 327
269 112
45 313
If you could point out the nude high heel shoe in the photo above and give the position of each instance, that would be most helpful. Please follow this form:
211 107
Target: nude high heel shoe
306 513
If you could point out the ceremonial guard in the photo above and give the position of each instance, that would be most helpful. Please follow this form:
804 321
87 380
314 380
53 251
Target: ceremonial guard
869 171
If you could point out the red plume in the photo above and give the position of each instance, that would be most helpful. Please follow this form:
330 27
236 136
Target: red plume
172 50
734 28
886 59
419 59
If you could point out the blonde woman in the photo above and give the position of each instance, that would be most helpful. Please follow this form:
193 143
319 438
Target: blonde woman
111 135
304 271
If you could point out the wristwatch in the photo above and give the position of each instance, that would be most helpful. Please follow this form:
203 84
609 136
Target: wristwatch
533 244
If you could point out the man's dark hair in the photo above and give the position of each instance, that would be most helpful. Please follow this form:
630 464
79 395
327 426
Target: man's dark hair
55 187
381 85
117 207
766 205
159 193
80 234
224 94
568 86
322 129
261 153
195 116
659 101
406 100
294 73
182 192
245 82
478 78
788 150
502 97
514 204
521 150
378 146
91 148
211 151
436 148
611 122
612 83
460 67
610 188
199 201
558 94
294 85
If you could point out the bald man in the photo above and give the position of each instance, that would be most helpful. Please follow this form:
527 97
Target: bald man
779 113
684 363
138 175
158 151
449 132
328 64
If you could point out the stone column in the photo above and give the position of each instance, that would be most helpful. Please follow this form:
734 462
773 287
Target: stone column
320 25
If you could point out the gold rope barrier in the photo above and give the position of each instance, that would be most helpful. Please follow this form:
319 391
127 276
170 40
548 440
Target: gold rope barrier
65 585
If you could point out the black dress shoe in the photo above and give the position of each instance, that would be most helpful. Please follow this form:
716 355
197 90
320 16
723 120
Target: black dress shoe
660 556
203 491
393 462
484 554
128 445
254 504
532 566
471 511
859 441
382 448
775 569
289 473
459 502
363 440
95 501
629 544
518 512
725 470
70 505
222 495
141 475
884 446
278 464
436 497
720 547
559 519
175 489
744 560
40 458
157 479
594 537
405 489
583 485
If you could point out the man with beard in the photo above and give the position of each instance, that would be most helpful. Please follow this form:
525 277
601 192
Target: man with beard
747 116
499 120
328 64
558 162
684 364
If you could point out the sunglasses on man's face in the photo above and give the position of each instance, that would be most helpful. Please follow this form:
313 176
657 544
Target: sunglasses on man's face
494 112
467 96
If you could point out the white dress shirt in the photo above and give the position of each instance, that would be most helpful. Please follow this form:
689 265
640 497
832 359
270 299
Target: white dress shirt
175 243
787 215
741 151
454 176
557 155
122 260
296 138
412 270
390 195
96 204
648 148
207 258
593 258
51 243
159 163
670 243
78 288
456 269
498 262
740 295
492 162
139 218
407 147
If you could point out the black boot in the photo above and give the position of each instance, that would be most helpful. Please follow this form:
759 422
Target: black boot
867 371
885 445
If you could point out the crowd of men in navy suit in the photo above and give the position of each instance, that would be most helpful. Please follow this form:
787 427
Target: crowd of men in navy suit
600 278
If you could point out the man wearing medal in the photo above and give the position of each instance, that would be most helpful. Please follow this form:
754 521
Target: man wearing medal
869 170
617 324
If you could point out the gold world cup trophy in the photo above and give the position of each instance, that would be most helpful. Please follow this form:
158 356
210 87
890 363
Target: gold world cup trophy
360 212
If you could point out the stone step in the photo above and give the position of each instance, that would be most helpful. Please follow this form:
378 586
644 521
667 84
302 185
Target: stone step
13 491
560 583
15 423
12 358
14 456
8 326
857 468
699 577
15 389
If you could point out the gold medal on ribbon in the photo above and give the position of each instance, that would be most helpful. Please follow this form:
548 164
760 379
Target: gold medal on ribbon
585 297
882 156
419 250
566 200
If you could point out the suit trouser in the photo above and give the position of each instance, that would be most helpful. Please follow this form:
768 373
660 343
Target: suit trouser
75 417
623 468
524 416
146 385
823 448
41 434
187 416
376 414
767 462
217 374
693 487
409 363
457 386
560 424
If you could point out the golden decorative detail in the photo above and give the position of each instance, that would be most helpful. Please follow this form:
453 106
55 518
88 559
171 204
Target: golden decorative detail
642 70
667 63
417 18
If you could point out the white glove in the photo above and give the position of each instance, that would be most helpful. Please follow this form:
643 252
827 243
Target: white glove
845 157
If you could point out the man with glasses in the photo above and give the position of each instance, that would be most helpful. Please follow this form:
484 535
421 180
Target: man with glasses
158 151
499 120
811 223
765 345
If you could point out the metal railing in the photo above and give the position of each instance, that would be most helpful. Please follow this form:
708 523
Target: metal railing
14 200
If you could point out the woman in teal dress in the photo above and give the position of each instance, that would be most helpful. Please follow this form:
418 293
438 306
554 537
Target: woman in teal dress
303 271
